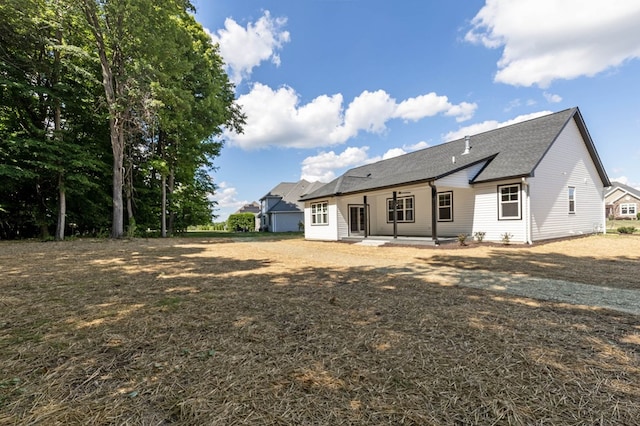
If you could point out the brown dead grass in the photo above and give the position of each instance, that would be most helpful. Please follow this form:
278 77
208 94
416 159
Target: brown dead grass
187 331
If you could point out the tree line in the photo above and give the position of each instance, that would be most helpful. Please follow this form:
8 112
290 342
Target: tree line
111 113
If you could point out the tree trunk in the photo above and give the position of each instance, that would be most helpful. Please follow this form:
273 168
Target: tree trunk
116 122
172 212
164 205
62 208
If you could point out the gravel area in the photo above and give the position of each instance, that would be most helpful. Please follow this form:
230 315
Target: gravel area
616 299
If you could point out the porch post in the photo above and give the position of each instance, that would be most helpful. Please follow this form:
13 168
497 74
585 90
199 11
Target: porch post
434 212
366 218
395 215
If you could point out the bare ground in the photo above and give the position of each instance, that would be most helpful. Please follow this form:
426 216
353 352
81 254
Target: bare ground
186 331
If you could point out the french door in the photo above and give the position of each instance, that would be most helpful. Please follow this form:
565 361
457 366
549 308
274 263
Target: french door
356 220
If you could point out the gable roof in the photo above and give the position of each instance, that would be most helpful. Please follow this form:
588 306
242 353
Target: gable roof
290 194
511 151
249 208
626 189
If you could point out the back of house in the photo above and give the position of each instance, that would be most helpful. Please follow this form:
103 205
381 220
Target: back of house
531 181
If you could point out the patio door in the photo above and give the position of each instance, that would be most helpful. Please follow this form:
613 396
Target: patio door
356 220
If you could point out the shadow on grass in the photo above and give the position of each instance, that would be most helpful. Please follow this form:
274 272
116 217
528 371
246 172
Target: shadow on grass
151 334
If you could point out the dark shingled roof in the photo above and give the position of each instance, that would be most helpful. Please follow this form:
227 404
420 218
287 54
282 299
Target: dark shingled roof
511 151
290 194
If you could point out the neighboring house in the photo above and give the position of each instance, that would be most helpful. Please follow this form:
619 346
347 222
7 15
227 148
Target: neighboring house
534 180
254 208
281 210
623 202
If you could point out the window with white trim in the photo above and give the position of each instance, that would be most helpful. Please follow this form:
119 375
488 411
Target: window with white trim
445 206
509 202
629 209
572 199
319 213
404 209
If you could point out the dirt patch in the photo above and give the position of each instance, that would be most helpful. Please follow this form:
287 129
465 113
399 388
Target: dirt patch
191 331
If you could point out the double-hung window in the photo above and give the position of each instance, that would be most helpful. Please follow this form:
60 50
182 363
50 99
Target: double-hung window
509 202
628 209
404 209
319 213
572 199
445 206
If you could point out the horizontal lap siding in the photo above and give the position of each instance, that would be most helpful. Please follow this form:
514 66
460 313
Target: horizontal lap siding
485 217
327 232
567 163
422 213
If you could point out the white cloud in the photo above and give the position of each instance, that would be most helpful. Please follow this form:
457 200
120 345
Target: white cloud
622 179
322 167
245 48
546 40
552 98
485 126
276 117
226 196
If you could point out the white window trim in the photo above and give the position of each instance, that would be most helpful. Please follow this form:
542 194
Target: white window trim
320 213
519 201
629 206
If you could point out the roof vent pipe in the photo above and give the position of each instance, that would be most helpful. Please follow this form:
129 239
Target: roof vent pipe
467 147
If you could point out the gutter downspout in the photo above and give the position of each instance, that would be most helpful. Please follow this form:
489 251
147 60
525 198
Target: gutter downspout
434 211
366 218
527 222
395 215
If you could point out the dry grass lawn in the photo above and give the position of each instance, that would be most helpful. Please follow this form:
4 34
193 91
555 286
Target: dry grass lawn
268 332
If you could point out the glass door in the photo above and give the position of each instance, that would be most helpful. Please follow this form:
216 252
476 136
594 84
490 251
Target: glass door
356 220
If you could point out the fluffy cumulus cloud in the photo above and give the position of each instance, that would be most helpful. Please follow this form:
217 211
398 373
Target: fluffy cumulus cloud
485 126
322 167
227 197
546 40
244 48
325 166
277 118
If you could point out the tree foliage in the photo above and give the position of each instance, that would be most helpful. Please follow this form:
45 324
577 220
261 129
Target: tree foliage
241 222
107 107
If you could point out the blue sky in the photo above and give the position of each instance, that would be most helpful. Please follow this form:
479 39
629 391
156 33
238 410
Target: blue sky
332 84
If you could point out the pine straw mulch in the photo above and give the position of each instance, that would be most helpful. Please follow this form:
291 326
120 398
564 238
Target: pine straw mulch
183 331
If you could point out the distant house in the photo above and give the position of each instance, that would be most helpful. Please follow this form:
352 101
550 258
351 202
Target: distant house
254 208
531 181
622 201
281 210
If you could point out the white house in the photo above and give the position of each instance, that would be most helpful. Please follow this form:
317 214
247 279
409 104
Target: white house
534 180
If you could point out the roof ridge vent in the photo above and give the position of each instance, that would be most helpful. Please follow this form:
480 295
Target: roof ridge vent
467 146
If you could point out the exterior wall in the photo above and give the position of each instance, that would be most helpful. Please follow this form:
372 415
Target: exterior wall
285 221
328 232
567 163
485 215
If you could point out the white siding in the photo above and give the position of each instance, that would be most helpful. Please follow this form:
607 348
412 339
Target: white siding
462 178
567 163
463 207
328 232
485 218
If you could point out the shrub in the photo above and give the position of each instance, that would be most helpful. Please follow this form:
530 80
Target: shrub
626 229
244 222
479 236
506 238
462 239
